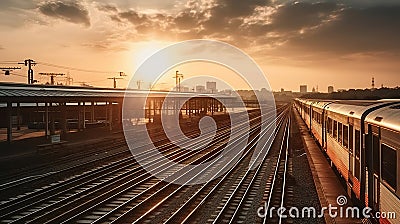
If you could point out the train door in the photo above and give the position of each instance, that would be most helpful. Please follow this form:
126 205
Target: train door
375 154
377 169
324 129
351 155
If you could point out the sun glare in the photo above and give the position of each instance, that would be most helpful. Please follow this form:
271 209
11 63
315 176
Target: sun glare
143 50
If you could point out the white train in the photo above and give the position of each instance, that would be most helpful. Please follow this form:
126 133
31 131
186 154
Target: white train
362 141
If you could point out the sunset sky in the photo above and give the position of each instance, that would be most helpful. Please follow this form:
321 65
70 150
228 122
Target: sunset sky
339 43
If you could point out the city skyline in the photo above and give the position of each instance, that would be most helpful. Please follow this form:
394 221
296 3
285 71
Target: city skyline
293 42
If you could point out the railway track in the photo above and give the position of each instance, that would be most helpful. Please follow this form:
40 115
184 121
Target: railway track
123 191
231 198
114 154
220 198
32 208
277 189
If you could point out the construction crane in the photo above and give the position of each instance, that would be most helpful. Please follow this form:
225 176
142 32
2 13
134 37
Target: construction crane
178 78
52 75
69 81
139 83
7 70
115 81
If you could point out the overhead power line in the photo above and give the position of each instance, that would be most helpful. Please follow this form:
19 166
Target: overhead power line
16 74
75 69
8 69
8 63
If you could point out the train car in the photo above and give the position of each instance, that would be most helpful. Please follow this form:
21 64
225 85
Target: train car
301 107
382 145
307 112
317 121
353 135
343 140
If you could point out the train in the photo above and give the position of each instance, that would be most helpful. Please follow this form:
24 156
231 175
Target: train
361 139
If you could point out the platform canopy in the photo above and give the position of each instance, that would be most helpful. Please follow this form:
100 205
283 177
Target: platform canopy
15 93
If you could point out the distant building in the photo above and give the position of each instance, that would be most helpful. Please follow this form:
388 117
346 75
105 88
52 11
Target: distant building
200 89
211 87
330 89
313 90
226 92
303 88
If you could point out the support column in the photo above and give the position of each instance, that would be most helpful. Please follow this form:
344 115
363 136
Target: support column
52 124
146 110
225 107
79 117
106 106
190 107
160 103
46 120
18 116
154 108
9 122
212 107
197 106
120 112
84 116
92 114
110 116
63 120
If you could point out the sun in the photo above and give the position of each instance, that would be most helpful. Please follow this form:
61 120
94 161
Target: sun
140 52
143 50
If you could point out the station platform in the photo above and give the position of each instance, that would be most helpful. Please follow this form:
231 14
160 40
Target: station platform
326 181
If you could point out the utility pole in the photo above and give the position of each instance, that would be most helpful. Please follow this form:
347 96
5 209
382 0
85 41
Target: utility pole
52 75
7 70
178 78
29 63
115 81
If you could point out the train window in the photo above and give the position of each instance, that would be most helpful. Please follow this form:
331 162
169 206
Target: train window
389 166
346 136
329 125
340 132
335 129
357 143
351 138
375 151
